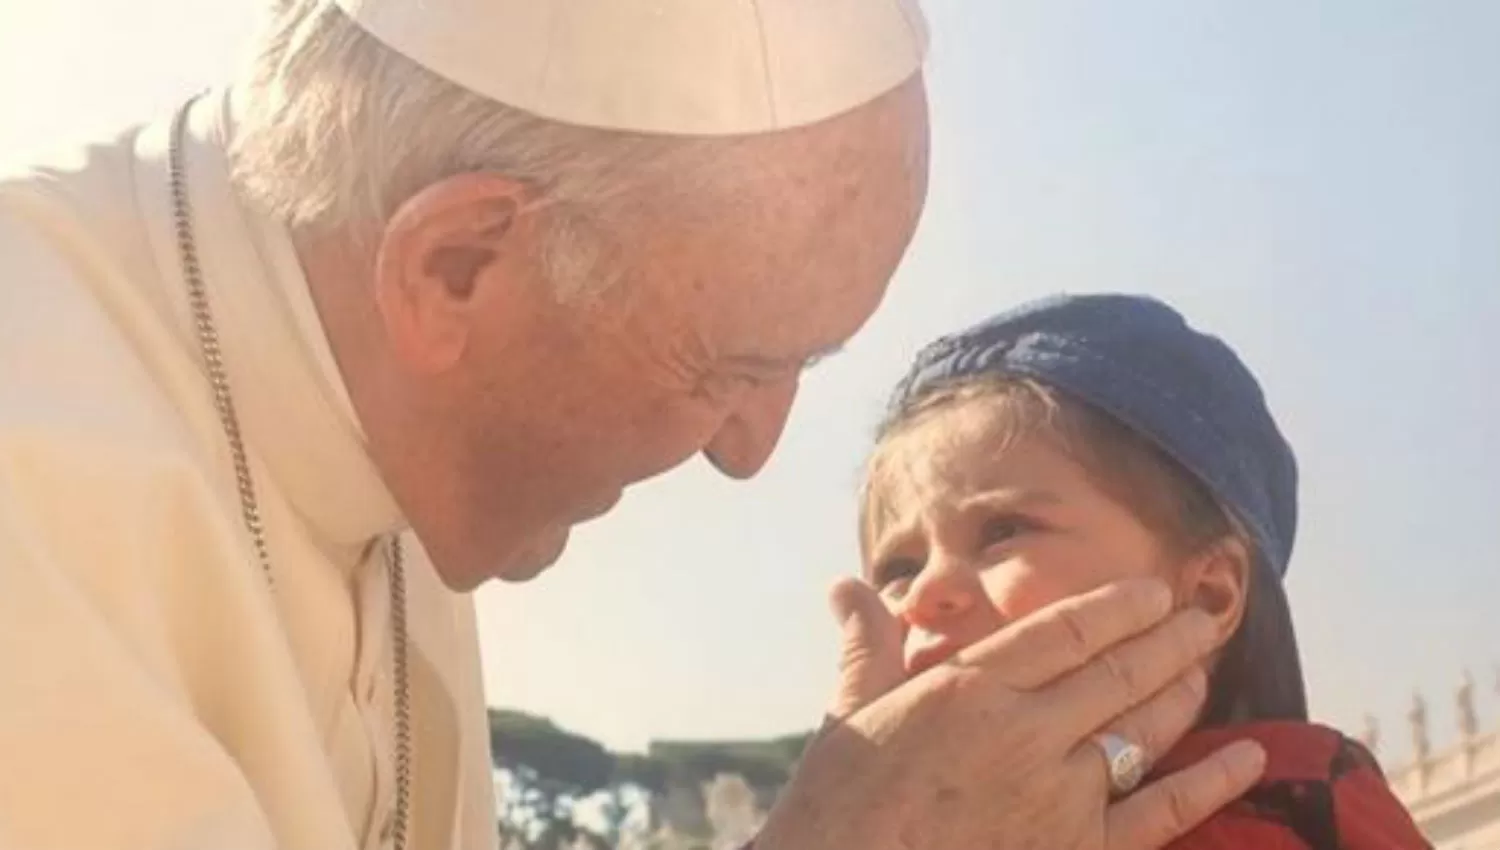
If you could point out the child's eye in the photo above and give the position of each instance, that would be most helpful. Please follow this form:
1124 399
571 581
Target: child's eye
893 570
999 529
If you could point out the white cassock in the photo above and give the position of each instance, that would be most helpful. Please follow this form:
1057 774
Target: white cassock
155 692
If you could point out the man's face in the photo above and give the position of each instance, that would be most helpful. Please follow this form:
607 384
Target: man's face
557 406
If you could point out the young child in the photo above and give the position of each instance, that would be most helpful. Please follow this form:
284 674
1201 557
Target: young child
1081 440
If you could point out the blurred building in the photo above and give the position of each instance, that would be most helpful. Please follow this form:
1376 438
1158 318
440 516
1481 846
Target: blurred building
1453 791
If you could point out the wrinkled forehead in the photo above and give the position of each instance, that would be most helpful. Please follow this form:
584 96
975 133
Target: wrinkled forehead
790 249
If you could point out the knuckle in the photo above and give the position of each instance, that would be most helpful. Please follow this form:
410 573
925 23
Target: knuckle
1180 808
1074 633
1223 780
1123 674
1157 724
1179 704
1146 736
854 654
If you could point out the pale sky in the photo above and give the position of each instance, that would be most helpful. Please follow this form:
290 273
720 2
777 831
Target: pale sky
1315 181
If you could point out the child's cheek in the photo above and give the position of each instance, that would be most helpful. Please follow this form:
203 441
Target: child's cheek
1019 588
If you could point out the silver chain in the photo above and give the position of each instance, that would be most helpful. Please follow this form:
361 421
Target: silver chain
213 358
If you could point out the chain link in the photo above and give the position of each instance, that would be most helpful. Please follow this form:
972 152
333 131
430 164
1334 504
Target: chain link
218 376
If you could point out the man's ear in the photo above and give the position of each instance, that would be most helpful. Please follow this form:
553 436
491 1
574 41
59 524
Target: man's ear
1216 581
434 253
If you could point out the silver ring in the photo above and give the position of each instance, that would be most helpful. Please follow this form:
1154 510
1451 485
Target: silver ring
1125 762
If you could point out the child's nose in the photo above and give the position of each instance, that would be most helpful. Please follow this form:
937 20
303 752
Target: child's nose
944 591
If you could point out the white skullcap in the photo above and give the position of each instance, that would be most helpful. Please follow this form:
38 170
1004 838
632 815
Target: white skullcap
680 67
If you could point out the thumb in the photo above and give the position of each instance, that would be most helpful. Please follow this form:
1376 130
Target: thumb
870 662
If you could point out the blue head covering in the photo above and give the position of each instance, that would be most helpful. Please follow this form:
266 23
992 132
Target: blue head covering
1139 361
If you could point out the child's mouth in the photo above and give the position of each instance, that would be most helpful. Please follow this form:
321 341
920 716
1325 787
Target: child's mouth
925 650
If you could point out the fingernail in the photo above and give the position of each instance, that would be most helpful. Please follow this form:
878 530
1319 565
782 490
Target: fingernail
1245 760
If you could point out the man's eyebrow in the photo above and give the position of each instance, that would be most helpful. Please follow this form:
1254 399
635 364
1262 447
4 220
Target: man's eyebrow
775 364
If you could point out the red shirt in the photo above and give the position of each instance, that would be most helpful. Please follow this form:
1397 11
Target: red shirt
1321 791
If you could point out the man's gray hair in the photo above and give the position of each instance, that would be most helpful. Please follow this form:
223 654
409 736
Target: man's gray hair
337 131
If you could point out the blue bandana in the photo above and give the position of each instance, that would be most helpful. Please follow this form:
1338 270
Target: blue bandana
1139 361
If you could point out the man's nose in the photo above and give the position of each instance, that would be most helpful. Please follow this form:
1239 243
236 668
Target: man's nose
743 444
945 589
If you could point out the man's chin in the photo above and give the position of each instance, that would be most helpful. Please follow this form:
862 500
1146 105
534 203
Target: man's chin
534 559
521 564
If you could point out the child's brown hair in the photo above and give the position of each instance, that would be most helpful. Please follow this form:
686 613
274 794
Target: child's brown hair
1175 505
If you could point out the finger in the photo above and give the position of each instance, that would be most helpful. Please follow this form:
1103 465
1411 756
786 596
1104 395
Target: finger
1157 724
1066 635
1124 677
1163 811
870 658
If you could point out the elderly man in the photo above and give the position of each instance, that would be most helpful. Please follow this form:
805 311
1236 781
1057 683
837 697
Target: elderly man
468 269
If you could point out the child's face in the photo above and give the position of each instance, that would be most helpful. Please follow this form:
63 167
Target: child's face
961 538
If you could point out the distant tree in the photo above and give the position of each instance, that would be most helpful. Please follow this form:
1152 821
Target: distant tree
764 764
556 756
548 771
642 771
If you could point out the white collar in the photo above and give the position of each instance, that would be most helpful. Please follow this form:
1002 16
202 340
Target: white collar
289 395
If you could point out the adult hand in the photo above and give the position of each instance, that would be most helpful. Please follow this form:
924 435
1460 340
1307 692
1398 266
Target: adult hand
995 750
